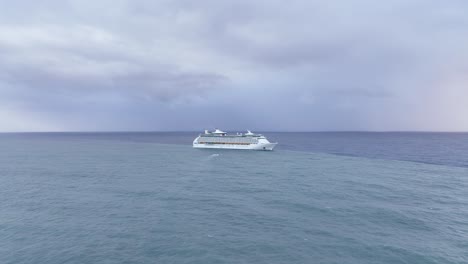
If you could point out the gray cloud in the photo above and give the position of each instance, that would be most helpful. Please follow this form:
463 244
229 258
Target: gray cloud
304 65
48 58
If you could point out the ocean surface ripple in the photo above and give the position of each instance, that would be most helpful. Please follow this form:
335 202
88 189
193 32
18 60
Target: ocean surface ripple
134 198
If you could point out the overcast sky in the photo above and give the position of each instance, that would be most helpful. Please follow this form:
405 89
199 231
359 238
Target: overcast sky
296 65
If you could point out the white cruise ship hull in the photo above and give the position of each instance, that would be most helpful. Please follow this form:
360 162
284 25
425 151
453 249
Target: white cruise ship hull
221 140
260 146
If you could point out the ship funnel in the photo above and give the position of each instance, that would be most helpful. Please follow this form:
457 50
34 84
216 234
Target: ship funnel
217 131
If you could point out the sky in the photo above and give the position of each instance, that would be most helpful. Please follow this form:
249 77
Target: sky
265 65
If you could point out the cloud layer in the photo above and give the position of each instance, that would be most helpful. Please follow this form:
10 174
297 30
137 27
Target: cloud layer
265 65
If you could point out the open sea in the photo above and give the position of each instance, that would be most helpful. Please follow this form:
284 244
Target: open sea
151 198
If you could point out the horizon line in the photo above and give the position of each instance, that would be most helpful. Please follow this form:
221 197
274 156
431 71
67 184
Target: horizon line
267 131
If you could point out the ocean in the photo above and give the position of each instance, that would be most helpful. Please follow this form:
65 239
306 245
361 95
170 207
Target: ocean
331 197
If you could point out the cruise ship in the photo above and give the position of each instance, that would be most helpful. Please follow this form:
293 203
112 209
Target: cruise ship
222 140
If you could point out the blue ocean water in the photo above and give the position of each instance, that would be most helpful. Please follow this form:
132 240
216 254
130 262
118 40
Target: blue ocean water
151 198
